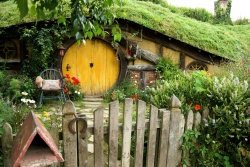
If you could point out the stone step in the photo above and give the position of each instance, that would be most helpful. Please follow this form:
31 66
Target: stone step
94 99
92 102
92 106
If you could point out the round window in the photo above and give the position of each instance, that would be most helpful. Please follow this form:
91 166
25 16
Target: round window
194 66
8 49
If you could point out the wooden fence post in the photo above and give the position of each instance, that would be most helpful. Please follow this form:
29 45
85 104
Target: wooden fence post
55 135
7 141
98 137
189 120
164 138
176 131
113 133
69 139
82 144
205 115
140 129
127 127
153 118
197 121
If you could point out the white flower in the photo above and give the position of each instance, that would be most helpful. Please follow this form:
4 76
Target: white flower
151 82
79 92
75 91
246 84
23 100
32 101
24 93
135 81
135 75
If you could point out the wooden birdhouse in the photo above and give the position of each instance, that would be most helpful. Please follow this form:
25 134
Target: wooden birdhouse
33 145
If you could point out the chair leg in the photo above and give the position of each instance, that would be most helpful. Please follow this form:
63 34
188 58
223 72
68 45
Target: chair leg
41 99
63 94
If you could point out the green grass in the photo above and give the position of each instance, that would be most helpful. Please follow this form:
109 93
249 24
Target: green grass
232 42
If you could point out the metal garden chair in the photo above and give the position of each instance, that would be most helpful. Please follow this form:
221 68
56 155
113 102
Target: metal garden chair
53 81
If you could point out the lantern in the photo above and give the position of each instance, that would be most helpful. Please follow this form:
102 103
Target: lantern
62 51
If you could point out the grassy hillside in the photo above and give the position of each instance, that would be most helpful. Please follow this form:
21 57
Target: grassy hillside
227 41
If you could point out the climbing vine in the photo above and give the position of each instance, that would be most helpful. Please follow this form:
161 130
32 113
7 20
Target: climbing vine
42 47
222 16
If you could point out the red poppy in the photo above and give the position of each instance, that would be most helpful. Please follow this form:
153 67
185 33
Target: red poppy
65 90
193 142
134 95
189 103
106 120
197 107
138 97
132 98
67 76
73 78
196 146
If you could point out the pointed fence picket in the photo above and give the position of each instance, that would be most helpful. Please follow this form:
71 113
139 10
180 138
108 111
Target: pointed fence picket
165 128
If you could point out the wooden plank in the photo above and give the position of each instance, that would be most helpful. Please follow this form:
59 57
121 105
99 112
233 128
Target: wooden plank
164 136
98 137
141 67
126 135
197 121
113 133
140 128
176 130
69 139
152 136
7 141
82 144
189 120
55 135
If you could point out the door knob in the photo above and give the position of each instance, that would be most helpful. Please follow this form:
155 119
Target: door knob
91 65
68 67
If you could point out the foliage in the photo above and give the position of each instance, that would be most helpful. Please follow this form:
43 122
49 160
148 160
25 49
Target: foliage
87 17
43 44
73 88
222 16
126 89
243 21
12 87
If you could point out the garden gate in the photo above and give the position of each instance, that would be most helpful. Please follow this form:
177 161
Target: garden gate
165 128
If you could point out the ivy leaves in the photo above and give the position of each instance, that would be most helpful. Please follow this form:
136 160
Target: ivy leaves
87 17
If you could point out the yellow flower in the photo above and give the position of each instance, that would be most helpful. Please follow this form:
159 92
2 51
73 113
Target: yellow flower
45 112
49 119
39 116
46 115
16 123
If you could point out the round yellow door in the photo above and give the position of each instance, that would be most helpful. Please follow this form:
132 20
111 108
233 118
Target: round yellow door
95 65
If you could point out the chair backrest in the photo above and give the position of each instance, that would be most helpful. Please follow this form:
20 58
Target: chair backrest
51 74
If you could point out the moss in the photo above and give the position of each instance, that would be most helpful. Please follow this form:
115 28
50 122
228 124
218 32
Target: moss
227 41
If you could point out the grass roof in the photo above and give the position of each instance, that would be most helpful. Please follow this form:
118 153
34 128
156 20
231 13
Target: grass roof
232 42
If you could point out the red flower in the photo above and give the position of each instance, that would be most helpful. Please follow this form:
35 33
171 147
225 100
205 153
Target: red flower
65 90
190 159
199 146
193 142
129 52
148 105
106 120
138 97
67 81
132 98
180 166
196 146
67 76
74 83
208 71
183 148
210 75
134 95
197 107
73 78
189 103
